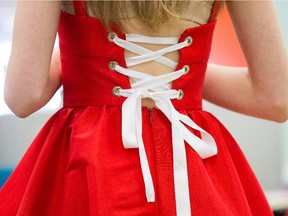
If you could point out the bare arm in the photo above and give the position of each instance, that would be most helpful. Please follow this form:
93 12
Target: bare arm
261 90
31 77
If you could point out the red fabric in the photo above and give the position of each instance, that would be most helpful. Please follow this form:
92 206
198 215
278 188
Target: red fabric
80 7
77 164
214 11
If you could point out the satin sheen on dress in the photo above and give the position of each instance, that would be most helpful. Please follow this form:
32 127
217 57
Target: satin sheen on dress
78 166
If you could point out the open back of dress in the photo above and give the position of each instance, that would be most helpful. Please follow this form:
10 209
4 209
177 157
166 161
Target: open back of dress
104 154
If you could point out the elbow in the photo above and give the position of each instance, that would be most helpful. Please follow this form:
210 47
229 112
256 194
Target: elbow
17 109
279 110
282 117
21 114
21 107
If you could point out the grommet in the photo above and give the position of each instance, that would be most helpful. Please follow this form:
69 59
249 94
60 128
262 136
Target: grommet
181 94
189 40
112 65
186 69
116 91
111 36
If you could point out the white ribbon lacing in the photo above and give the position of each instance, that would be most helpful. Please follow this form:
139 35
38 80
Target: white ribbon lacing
158 89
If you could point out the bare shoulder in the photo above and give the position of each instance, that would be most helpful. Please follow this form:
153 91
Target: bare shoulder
258 31
35 24
35 28
252 15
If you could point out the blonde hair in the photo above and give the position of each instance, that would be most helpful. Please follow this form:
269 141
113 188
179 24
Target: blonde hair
152 13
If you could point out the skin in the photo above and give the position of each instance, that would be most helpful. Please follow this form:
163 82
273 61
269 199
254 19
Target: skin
259 90
30 81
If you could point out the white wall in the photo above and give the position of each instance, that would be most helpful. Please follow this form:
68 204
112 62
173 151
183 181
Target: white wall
282 8
16 135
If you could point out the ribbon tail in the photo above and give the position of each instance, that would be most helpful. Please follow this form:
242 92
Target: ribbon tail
205 147
181 182
129 137
132 137
148 182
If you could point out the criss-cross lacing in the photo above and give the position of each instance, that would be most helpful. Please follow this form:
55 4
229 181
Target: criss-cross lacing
158 89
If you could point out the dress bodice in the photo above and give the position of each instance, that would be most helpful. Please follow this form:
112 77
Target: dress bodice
86 53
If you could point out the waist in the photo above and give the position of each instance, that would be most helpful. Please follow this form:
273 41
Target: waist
89 82
100 100
97 97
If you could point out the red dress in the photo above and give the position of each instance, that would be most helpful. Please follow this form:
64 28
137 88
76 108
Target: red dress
77 164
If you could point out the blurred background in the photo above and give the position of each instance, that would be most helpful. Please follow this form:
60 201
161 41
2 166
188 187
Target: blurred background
264 143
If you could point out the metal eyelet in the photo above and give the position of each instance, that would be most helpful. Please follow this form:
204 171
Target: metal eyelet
112 65
186 69
116 91
111 36
189 40
181 94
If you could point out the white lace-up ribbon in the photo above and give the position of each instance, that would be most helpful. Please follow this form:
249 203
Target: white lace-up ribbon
158 89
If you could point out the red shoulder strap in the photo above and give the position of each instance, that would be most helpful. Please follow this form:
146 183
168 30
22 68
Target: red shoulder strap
214 10
80 7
